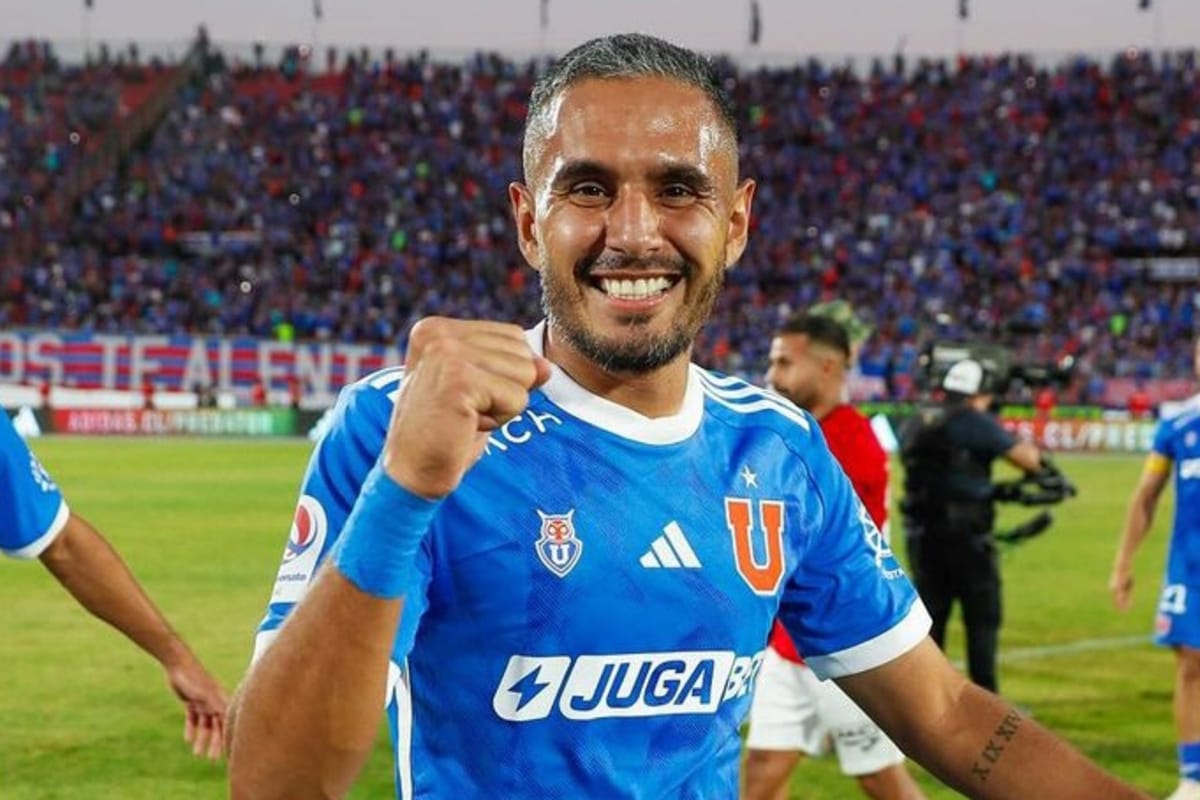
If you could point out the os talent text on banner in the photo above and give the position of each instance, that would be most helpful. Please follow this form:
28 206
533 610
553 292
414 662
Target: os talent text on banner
180 363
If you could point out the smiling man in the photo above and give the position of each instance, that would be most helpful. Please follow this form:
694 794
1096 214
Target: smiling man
558 552
638 290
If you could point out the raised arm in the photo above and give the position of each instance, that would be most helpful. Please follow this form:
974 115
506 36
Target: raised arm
308 712
92 571
970 738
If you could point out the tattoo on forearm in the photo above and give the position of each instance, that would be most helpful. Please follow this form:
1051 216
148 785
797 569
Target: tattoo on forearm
1000 738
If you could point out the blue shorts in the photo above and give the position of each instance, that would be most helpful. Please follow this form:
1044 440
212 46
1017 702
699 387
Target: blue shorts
1177 620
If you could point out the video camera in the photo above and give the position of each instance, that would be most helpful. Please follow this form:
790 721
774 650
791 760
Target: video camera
1046 487
1001 370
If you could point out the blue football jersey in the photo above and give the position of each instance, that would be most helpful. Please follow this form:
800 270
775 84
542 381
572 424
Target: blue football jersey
594 600
32 510
1178 439
1178 616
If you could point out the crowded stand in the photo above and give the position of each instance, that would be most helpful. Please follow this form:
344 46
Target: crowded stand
1053 208
52 116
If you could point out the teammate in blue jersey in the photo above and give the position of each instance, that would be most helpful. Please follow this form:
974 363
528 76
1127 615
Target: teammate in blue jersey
558 552
1175 452
35 522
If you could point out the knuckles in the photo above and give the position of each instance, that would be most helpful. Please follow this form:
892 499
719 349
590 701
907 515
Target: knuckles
425 332
446 342
445 349
463 380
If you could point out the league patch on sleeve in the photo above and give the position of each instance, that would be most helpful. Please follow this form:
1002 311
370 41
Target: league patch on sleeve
881 548
304 546
40 476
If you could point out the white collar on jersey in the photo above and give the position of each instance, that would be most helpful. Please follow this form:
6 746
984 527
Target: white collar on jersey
568 395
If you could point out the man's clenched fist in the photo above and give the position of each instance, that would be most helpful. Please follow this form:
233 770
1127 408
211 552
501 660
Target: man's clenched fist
463 379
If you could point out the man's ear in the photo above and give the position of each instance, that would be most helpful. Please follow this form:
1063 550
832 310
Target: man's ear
830 365
521 201
739 222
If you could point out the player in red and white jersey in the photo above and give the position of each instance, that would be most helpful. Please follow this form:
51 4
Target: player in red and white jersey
794 712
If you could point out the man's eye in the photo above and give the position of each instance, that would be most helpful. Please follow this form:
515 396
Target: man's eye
588 190
678 192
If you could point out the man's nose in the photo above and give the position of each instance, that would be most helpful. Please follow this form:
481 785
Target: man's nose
634 225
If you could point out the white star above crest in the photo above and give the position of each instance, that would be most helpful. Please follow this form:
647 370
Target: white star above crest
749 477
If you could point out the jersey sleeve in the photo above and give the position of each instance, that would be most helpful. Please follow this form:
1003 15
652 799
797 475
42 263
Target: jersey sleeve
1164 441
32 509
339 464
848 605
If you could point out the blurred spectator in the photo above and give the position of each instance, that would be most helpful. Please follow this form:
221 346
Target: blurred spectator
1044 402
1139 403
294 391
205 396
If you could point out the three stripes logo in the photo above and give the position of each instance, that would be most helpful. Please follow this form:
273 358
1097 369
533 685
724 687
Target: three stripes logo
670 551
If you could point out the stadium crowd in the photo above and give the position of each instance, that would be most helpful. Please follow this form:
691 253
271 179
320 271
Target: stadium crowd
988 198
48 110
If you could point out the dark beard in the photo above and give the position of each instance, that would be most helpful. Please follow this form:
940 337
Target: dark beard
803 399
641 354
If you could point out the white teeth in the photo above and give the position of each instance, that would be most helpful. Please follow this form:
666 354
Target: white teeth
634 290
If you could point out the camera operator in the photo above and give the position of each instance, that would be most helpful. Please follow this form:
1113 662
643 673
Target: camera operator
947 452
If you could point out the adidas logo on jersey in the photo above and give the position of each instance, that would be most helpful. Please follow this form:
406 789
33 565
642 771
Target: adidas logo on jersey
623 684
670 550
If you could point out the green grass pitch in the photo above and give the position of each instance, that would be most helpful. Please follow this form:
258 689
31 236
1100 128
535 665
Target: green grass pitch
83 714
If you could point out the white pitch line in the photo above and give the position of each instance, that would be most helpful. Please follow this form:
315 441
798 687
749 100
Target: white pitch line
1067 648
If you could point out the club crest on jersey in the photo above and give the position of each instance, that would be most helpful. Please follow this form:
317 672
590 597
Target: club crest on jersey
557 546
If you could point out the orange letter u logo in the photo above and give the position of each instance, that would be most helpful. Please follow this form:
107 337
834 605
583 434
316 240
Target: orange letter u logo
764 578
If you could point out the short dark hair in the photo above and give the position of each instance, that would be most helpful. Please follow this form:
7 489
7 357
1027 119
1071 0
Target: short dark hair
625 55
819 328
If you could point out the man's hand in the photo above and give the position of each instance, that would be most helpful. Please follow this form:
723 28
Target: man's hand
205 704
463 380
1121 586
